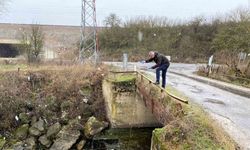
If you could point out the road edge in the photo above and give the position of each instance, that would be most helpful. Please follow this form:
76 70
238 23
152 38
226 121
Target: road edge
236 90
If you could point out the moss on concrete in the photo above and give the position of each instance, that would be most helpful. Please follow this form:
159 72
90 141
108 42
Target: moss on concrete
123 82
124 78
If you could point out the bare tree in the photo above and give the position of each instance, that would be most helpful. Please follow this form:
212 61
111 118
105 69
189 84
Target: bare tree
32 43
112 20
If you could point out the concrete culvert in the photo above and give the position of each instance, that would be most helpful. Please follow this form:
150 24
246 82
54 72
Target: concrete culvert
9 50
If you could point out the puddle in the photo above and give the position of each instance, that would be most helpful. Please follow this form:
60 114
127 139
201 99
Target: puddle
214 101
196 91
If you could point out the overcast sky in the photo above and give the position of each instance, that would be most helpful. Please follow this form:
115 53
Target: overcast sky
67 12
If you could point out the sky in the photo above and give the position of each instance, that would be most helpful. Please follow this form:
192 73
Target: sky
68 12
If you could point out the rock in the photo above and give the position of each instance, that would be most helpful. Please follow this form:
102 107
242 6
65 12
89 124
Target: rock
53 130
37 128
25 118
34 131
22 132
93 126
39 125
30 143
2 142
33 120
66 138
45 141
80 145
18 146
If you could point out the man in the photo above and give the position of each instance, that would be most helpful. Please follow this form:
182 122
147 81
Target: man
162 64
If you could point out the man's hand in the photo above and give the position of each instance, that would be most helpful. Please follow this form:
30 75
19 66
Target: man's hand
143 61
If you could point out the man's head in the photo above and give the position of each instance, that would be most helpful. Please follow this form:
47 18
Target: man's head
151 54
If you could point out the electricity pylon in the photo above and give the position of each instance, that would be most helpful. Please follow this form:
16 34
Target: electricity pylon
88 43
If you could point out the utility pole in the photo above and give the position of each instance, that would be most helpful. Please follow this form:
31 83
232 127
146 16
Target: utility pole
88 43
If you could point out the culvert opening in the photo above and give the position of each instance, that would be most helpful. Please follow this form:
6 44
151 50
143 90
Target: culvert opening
9 50
119 139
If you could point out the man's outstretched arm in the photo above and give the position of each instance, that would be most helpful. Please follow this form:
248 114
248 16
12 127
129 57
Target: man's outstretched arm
149 60
158 63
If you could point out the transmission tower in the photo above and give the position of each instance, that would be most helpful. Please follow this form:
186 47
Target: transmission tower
88 43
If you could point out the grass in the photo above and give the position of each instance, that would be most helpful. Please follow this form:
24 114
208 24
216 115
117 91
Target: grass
225 74
124 78
195 131
13 67
48 88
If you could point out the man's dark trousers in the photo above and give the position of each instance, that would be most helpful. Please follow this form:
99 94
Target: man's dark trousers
164 69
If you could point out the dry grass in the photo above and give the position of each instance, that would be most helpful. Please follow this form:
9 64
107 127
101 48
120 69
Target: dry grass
226 74
194 131
50 92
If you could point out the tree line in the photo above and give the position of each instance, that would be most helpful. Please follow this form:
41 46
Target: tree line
190 41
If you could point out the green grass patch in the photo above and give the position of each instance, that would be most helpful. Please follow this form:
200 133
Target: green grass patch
12 67
124 78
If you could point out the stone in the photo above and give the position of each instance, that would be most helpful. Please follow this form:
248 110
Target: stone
45 141
33 120
22 132
66 138
2 142
37 128
53 130
93 127
80 145
39 125
18 146
30 143
25 118
34 131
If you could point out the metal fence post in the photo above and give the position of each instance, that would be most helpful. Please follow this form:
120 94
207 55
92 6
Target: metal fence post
125 61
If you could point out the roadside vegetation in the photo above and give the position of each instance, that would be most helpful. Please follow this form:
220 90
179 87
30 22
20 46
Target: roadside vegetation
192 41
44 96
196 130
226 37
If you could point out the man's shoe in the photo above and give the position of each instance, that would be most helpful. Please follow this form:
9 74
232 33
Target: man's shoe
157 83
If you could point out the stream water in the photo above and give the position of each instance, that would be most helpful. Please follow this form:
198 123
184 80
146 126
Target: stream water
122 139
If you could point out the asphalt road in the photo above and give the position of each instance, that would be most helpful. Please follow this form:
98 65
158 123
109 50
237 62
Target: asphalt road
230 110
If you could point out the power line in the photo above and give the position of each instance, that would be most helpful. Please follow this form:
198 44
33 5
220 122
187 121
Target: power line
88 46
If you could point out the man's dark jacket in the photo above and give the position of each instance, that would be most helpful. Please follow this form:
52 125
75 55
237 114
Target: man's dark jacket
159 59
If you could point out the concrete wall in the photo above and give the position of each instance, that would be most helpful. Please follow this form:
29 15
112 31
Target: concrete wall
58 39
125 108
